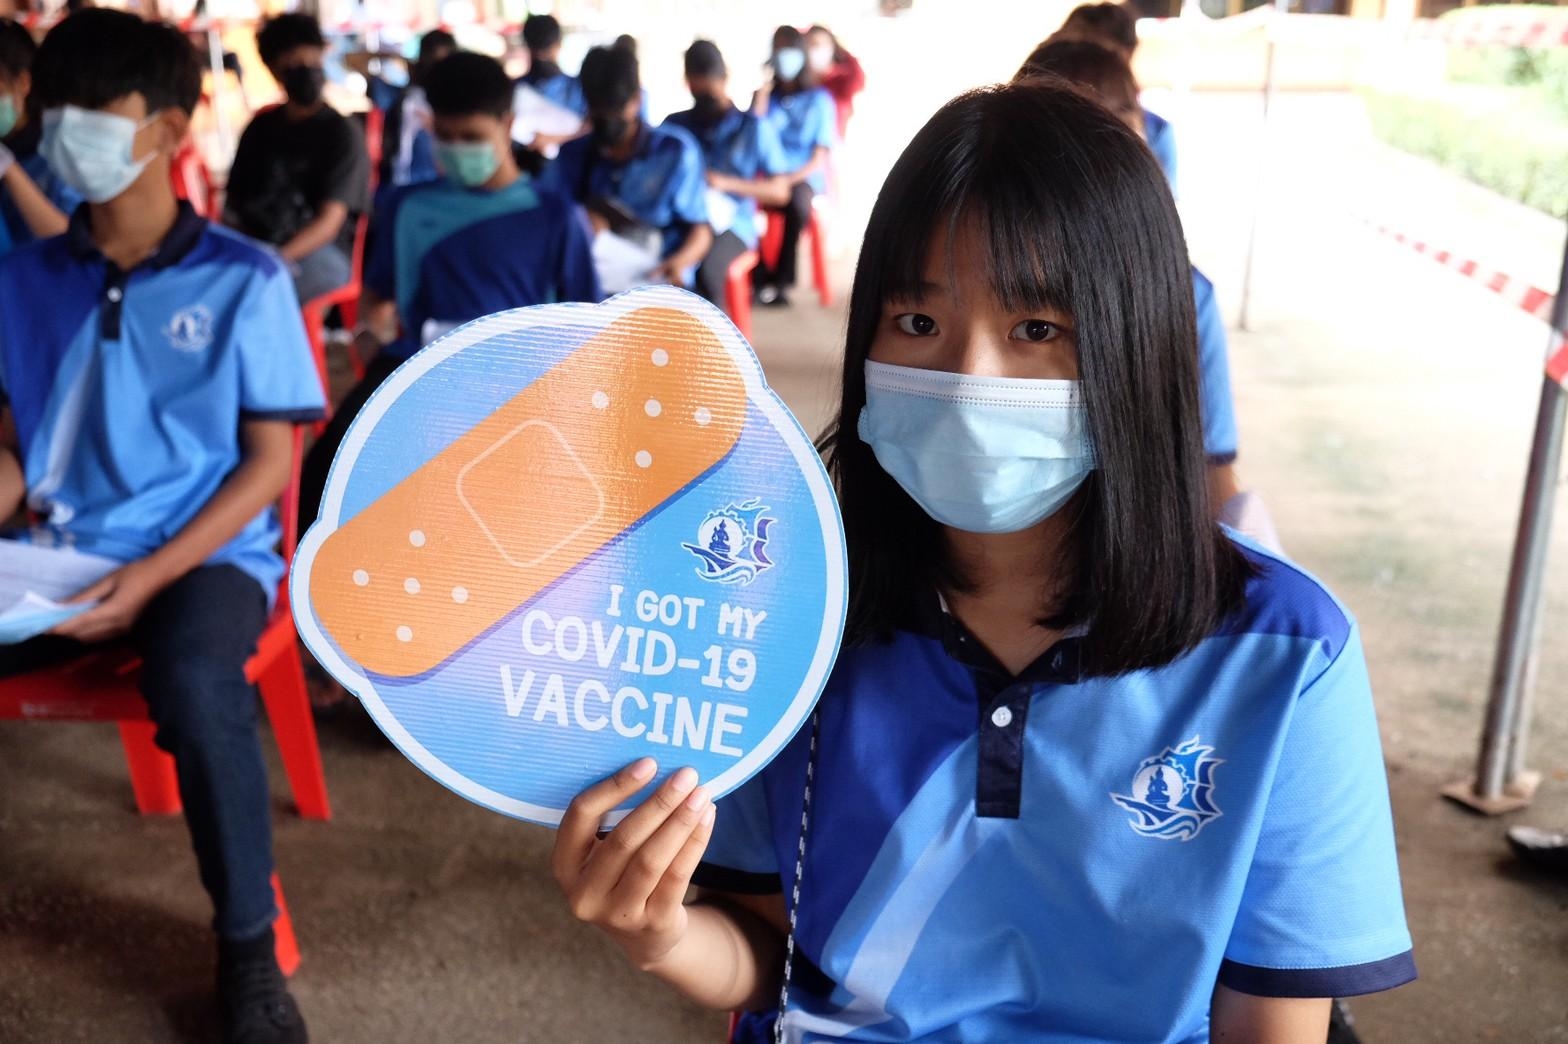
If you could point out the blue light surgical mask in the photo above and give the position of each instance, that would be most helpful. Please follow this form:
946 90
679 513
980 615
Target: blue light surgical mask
788 62
91 151
8 115
470 164
980 454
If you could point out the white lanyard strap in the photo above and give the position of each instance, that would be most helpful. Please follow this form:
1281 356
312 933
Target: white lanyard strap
800 870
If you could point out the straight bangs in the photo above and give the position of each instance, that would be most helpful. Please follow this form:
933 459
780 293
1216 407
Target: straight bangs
1075 216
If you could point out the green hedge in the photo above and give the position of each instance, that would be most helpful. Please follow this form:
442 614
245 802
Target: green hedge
1545 69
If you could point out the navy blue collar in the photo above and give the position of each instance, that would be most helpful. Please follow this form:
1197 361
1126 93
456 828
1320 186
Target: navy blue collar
1059 664
181 240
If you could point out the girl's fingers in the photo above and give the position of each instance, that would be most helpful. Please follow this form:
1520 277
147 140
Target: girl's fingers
654 857
670 892
608 860
574 839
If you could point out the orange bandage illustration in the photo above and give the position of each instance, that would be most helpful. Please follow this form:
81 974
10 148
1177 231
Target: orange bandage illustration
587 450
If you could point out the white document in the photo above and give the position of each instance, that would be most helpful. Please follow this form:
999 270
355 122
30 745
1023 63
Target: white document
722 209
35 581
622 263
534 114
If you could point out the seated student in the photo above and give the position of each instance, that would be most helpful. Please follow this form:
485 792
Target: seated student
803 115
1106 76
542 38
34 202
636 181
1113 26
839 72
301 170
406 156
484 239
1086 768
746 165
155 366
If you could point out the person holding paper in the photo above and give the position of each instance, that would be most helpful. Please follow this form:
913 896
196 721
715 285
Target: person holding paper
644 188
154 366
1088 767
746 165
549 107
483 239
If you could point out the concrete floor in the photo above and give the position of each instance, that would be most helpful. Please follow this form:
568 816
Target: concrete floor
1385 408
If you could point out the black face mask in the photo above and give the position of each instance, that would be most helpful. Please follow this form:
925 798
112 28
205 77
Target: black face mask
709 108
610 131
303 84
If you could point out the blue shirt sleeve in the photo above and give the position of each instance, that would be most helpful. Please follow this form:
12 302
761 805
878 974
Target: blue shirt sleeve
741 857
565 171
576 277
278 378
1219 409
1321 914
824 117
1162 142
689 187
769 150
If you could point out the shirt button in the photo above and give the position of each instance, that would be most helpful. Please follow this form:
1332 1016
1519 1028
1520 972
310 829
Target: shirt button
114 294
1002 717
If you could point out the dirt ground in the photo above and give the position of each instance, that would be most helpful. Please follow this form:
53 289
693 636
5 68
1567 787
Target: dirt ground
1385 408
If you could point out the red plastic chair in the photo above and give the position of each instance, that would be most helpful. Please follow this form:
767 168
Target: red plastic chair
346 300
102 687
194 182
737 292
816 230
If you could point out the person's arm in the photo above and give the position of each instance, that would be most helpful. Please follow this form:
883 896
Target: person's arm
722 952
322 230
43 218
1239 1018
13 481
1223 485
263 472
689 254
770 191
818 161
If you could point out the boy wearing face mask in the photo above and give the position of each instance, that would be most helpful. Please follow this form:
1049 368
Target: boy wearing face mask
33 201
634 179
301 168
483 239
746 165
155 366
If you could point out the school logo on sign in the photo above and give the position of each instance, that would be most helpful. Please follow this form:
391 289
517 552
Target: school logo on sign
732 543
190 330
1173 792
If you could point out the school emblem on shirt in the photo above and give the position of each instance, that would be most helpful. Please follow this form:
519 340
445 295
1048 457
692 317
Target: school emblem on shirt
190 330
731 543
1173 792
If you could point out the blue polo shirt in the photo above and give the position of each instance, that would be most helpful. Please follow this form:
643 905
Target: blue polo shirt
742 146
448 254
1051 857
1162 142
664 183
803 121
24 145
565 91
129 388
1218 408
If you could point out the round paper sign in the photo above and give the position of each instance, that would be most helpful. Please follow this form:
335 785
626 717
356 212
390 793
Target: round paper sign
565 537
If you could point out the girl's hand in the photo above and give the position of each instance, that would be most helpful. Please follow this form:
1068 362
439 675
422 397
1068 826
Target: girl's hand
631 883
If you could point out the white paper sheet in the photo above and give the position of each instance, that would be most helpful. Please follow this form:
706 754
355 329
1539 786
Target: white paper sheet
534 114
621 263
34 581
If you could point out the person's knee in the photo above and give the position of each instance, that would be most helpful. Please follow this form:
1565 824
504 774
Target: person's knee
800 201
197 703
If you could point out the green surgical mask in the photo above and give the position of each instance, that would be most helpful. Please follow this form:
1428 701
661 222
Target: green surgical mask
7 114
470 164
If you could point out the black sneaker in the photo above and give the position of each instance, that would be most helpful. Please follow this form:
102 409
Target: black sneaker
252 996
1540 848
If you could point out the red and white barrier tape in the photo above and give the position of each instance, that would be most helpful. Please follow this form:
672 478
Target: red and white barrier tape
1531 300
1531 30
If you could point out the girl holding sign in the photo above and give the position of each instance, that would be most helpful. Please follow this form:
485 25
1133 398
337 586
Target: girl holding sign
1089 767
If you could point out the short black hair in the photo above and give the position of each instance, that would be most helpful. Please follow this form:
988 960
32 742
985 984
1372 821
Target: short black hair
1075 214
282 33
1112 23
465 83
98 55
705 61
433 41
541 32
1099 70
17 48
609 78
788 36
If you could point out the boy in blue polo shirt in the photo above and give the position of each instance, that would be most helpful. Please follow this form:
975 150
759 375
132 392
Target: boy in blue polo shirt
746 165
34 202
155 366
635 180
484 239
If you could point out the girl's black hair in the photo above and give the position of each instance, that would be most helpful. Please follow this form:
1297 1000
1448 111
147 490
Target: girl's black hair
1087 65
98 55
1075 215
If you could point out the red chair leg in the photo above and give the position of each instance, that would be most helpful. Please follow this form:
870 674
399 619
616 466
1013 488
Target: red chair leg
153 780
288 708
285 946
772 238
737 292
819 262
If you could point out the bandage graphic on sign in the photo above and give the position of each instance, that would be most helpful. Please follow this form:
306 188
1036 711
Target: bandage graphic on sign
595 445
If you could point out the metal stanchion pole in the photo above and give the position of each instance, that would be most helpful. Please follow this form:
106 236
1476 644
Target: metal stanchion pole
1502 784
220 117
1271 33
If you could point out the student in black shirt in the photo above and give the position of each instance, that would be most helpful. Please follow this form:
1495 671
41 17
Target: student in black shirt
301 168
